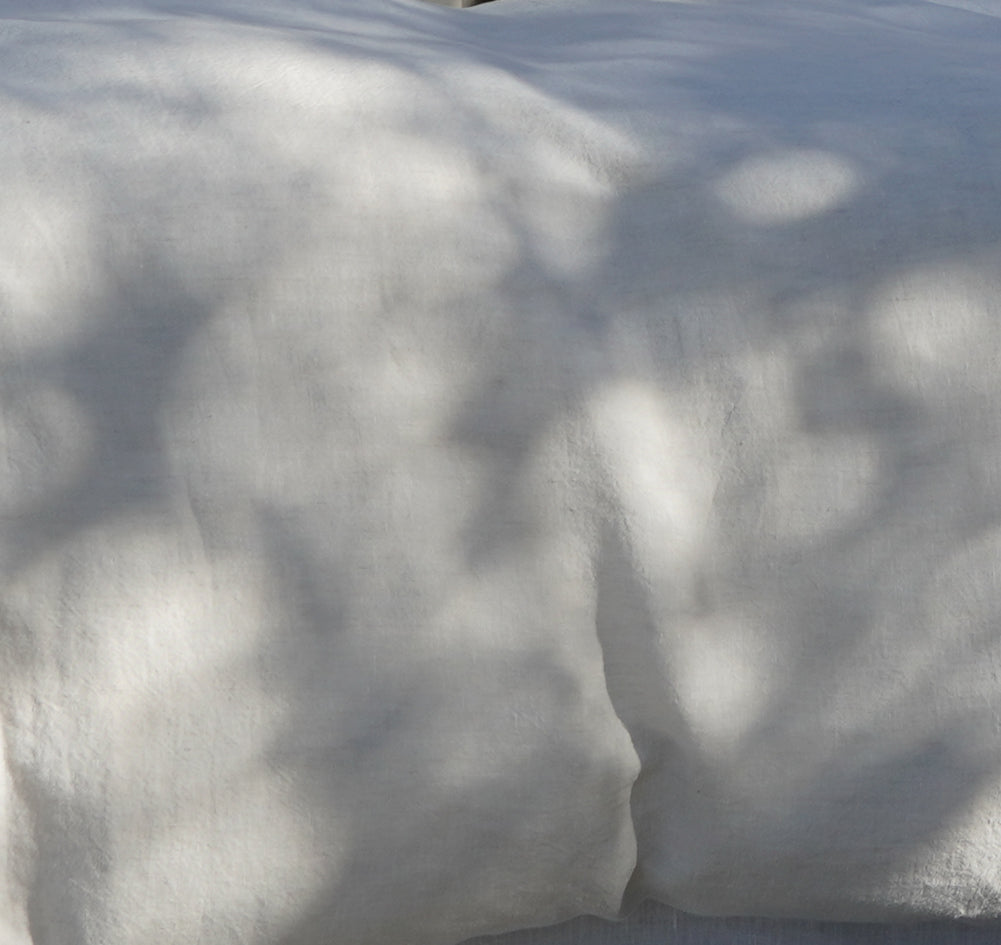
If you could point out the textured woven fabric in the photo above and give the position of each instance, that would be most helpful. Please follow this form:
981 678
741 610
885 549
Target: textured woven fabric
465 469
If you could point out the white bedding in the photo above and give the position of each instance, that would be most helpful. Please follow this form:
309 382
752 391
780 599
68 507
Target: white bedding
465 469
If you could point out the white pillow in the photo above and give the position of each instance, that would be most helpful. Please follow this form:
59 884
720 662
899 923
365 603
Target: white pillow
463 470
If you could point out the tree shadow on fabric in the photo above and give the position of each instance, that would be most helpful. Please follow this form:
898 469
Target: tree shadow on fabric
706 299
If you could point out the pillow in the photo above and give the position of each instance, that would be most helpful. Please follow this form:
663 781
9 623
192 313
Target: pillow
463 470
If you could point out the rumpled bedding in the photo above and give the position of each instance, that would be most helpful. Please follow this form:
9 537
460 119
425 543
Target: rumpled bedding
465 469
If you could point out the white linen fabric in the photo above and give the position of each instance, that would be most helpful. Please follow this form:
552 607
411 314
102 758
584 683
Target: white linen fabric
466 469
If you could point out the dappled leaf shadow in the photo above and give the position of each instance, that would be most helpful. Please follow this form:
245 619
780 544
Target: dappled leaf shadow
424 427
